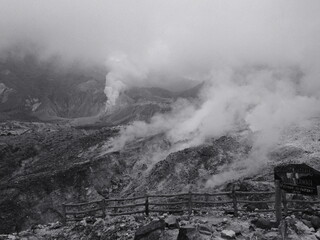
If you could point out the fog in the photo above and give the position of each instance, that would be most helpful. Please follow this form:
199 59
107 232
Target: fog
180 37
259 59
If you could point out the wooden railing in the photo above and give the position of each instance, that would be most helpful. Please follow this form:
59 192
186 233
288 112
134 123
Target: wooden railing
231 202
159 203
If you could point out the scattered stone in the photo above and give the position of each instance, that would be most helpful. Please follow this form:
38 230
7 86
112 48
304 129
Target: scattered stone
229 212
184 223
203 221
228 234
271 235
56 225
172 222
90 220
205 229
185 217
139 218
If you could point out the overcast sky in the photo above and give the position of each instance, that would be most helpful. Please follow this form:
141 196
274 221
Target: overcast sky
168 34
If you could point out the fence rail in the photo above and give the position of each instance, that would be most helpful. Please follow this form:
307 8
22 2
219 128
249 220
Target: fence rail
182 202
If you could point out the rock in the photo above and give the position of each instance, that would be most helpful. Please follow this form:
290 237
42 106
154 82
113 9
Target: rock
229 212
99 224
172 222
315 221
184 223
239 227
189 232
317 234
258 235
203 221
228 234
306 217
144 231
301 228
90 220
256 206
139 218
250 208
307 223
271 235
185 217
155 235
205 229
56 225
262 223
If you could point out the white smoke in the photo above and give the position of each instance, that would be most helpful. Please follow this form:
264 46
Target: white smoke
121 72
264 100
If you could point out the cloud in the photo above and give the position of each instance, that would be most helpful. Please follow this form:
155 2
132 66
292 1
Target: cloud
180 36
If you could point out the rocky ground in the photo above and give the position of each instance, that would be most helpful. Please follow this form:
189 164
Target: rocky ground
179 227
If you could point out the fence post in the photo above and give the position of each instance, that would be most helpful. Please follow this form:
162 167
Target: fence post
234 198
147 205
189 203
103 207
206 198
64 216
278 202
284 202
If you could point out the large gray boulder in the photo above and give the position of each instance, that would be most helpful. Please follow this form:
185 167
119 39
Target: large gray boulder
172 222
150 231
189 232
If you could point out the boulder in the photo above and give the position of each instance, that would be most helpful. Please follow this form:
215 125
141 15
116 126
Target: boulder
228 234
189 232
172 222
307 223
301 228
262 223
315 221
205 229
155 235
317 234
146 230
239 227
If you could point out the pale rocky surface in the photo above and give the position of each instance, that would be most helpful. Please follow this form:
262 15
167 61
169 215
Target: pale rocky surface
143 228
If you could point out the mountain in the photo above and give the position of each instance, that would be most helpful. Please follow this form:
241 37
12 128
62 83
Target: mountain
46 90
44 163
31 88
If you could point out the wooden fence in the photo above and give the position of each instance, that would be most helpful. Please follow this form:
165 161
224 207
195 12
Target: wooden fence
231 202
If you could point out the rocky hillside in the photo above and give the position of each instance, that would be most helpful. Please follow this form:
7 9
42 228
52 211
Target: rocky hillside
44 165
